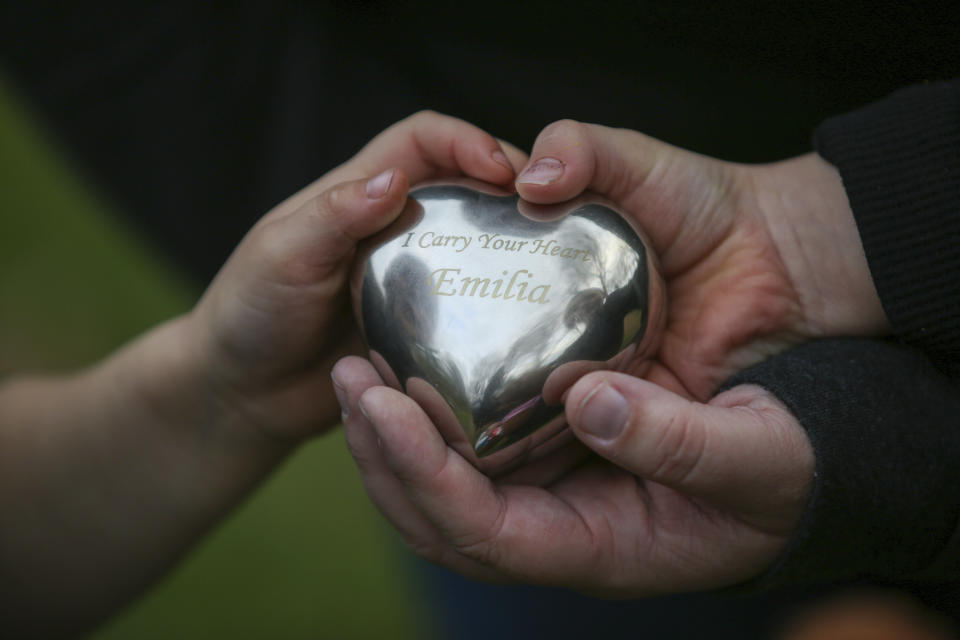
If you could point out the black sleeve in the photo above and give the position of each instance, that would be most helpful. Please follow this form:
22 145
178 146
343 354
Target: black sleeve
900 163
884 418
885 427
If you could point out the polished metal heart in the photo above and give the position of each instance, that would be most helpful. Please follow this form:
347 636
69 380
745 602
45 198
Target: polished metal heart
485 309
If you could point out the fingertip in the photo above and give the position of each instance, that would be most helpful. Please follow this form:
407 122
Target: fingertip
517 158
409 440
354 374
342 366
598 409
608 411
373 193
450 146
362 207
371 403
560 164
542 172
578 392
388 185
501 158
485 159
378 185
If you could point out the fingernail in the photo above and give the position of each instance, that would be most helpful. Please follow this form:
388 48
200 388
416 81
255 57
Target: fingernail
501 158
543 171
603 413
341 394
378 186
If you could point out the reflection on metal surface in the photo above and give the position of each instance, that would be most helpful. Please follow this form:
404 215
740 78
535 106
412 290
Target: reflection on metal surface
485 310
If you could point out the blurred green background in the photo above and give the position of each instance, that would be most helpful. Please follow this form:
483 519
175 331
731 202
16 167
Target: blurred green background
306 556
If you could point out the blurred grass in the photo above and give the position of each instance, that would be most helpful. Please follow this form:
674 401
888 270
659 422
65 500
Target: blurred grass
306 556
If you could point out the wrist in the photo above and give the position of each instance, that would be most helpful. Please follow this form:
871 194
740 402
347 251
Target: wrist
277 398
812 226
171 380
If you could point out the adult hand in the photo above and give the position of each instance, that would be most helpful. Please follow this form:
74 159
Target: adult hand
277 316
691 496
755 258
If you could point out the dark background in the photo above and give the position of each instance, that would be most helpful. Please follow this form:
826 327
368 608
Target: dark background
198 119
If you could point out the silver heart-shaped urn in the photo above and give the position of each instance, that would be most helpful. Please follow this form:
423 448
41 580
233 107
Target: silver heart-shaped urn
485 309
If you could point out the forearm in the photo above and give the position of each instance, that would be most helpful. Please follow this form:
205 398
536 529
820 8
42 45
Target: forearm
107 476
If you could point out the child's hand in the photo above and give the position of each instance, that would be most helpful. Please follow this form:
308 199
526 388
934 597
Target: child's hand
277 316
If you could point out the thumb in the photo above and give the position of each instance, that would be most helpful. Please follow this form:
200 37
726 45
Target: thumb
313 241
351 211
744 451
570 156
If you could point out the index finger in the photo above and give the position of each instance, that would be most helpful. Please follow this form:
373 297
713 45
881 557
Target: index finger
426 145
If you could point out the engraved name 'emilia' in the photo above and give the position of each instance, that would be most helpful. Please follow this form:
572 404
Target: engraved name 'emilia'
443 282
494 242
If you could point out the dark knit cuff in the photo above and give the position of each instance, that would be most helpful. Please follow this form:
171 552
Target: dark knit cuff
900 163
883 423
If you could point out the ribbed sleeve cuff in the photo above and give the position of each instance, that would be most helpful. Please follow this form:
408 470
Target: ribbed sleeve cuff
900 163
883 424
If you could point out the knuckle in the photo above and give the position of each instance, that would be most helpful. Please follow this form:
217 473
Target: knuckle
424 117
483 546
484 551
679 450
422 549
282 257
271 243
327 203
415 468
563 129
